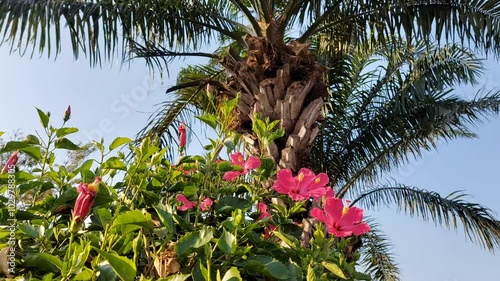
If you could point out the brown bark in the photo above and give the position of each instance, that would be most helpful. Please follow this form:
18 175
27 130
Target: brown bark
282 82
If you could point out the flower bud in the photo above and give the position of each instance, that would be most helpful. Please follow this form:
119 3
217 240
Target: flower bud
11 163
84 203
67 114
182 137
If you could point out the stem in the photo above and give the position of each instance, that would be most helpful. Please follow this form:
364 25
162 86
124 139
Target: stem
67 255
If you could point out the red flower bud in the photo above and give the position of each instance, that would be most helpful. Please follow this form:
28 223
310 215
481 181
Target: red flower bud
67 114
182 136
85 200
11 163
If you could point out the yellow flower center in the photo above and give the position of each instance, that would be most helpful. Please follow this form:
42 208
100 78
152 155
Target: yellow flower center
301 177
317 180
344 210
92 187
240 159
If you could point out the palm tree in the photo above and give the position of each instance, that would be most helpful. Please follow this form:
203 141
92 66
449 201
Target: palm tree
373 120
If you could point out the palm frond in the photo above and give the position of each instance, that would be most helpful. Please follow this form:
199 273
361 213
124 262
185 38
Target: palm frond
376 255
384 115
372 23
103 27
478 222
188 98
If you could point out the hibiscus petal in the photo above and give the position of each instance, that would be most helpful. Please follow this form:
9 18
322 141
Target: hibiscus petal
285 177
321 180
183 208
182 199
252 163
357 229
316 192
361 228
333 209
231 175
237 159
354 215
298 196
187 204
307 176
285 183
281 189
318 214
329 192
262 208
206 204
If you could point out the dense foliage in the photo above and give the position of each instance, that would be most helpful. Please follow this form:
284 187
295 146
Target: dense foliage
144 218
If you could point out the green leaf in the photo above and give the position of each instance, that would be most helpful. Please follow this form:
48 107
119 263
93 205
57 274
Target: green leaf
115 163
30 230
268 266
267 167
31 139
106 272
118 142
288 239
44 261
362 276
334 268
209 119
85 165
232 275
84 275
23 176
14 145
48 277
259 127
32 151
228 204
105 216
65 131
80 254
44 118
64 143
135 217
227 243
194 240
311 275
122 266
1 133
165 217
230 105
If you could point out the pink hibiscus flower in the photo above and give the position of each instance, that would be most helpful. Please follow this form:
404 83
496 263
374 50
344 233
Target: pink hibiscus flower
341 221
304 186
262 208
238 160
206 203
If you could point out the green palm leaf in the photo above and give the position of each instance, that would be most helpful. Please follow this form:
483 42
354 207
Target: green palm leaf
106 27
377 257
373 23
452 211
378 117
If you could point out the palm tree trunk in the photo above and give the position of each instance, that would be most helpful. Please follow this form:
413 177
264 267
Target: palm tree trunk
282 82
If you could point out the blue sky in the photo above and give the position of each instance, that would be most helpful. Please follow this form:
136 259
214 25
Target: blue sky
116 101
